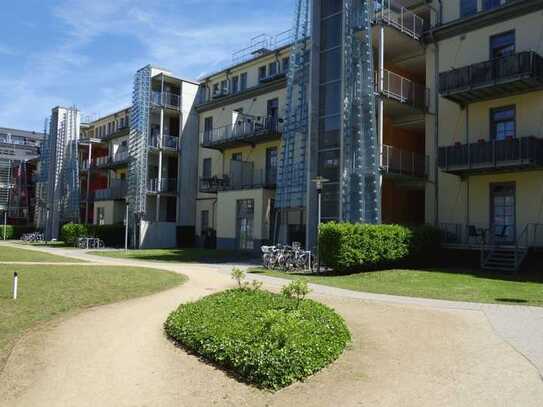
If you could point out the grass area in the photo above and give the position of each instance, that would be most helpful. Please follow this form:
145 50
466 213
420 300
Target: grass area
458 285
46 292
265 339
180 255
8 253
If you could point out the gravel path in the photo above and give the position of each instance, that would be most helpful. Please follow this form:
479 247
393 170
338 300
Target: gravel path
405 352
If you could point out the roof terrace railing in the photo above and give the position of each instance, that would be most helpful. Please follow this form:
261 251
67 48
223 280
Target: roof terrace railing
395 14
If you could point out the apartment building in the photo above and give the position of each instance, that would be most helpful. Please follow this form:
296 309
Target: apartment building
19 150
485 68
240 114
103 158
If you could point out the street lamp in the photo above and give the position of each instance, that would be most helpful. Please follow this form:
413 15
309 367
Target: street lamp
319 182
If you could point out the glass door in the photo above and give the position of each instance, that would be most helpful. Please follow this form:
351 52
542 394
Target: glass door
271 166
502 213
244 224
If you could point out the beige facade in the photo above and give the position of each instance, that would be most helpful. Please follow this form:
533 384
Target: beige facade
244 169
488 142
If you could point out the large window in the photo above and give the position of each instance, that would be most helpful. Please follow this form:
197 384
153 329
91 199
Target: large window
243 81
330 65
503 123
331 32
490 4
468 7
262 72
502 45
330 7
235 84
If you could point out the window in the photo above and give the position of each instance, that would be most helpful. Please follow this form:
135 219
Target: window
330 99
329 132
329 165
502 45
490 4
331 32
216 89
235 84
285 63
330 7
206 168
503 123
468 7
224 86
208 126
204 220
243 81
330 65
237 157
262 73
272 67
101 216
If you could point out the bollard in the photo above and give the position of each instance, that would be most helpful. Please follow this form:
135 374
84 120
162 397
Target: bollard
15 284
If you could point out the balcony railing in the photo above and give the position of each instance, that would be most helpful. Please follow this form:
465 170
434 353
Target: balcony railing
475 235
166 99
404 163
117 190
395 14
491 156
512 74
403 90
166 185
242 176
243 132
168 142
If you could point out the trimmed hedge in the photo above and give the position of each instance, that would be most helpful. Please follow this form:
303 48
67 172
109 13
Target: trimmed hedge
112 235
347 247
15 231
267 339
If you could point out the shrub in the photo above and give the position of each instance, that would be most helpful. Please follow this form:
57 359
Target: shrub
346 247
15 231
264 338
70 232
238 276
296 289
10 232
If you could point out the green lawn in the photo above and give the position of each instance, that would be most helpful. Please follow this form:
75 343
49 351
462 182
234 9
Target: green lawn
46 292
8 253
180 255
458 285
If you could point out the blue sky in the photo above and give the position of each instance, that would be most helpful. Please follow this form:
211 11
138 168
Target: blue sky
85 52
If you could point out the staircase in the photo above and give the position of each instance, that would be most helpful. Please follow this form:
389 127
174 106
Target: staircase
503 258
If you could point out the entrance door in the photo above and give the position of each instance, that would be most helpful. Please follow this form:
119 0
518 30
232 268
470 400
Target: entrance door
271 166
502 213
244 224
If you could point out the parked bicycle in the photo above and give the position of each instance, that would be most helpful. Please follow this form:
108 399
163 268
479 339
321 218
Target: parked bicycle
90 243
287 258
34 237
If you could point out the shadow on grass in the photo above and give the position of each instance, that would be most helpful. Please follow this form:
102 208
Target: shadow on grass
511 300
199 256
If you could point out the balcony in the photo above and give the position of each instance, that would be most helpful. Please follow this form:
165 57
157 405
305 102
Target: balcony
242 176
513 74
121 157
515 154
117 191
119 132
165 186
170 143
166 99
401 163
403 90
245 132
393 13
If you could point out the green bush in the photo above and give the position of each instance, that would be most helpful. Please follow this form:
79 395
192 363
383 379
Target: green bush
265 338
10 232
347 247
70 232
15 231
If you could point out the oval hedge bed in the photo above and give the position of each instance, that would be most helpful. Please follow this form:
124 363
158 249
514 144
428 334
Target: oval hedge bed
266 339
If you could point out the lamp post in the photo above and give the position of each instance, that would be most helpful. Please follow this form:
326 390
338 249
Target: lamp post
319 182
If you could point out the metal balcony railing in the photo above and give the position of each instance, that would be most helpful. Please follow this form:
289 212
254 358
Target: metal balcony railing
519 66
395 14
167 185
403 90
154 141
170 142
246 178
492 155
404 163
166 99
243 131
120 156
117 190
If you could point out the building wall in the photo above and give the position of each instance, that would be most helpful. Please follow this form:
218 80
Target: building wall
114 212
467 200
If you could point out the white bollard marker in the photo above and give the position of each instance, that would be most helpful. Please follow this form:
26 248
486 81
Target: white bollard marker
15 284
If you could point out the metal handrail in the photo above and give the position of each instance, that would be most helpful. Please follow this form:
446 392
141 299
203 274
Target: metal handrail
403 89
167 99
167 185
244 128
395 14
401 162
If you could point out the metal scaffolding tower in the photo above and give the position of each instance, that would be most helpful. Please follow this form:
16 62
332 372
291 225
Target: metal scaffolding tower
58 191
360 172
138 148
291 171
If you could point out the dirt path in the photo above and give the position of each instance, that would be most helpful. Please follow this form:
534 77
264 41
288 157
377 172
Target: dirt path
402 355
